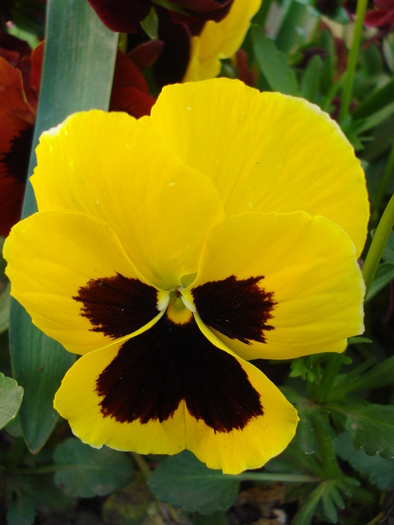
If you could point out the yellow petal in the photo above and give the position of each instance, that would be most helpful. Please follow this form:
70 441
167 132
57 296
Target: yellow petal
134 422
265 151
117 170
309 282
51 256
219 40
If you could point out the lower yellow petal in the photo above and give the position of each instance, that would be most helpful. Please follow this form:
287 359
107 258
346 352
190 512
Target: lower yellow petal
108 397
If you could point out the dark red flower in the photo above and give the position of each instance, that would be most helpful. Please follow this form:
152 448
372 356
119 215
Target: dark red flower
20 76
20 72
125 15
382 16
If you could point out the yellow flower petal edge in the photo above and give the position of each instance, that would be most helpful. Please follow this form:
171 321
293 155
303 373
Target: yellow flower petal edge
105 168
263 437
313 286
265 151
219 40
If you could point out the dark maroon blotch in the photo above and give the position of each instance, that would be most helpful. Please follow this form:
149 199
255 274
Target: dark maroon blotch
154 371
237 308
117 305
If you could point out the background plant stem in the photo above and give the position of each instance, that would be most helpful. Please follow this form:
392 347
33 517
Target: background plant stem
352 60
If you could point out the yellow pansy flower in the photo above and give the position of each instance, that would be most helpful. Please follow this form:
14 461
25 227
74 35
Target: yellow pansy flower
219 40
170 250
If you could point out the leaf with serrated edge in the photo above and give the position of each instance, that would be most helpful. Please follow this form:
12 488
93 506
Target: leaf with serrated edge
370 427
376 469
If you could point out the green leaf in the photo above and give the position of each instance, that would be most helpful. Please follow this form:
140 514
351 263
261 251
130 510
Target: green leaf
384 275
77 75
4 306
87 471
10 399
22 511
151 24
292 30
376 469
376 101
272 63
370 427
311 79
388 254
185 482
305 514
380 375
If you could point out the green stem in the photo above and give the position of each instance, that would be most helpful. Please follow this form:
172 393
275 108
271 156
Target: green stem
329 375
327 452
284 478
377 519
378 244
142 465
352 61
384 183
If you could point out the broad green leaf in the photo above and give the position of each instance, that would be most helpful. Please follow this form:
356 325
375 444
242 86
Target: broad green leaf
311 79
77 75
86 472
185 482
370 427
384 275
10 399
376 469
22 511
272 63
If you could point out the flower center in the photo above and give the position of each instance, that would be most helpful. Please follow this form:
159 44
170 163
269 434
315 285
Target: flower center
177 310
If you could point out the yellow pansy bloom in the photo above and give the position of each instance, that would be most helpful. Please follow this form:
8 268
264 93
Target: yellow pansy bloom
170 250
219 40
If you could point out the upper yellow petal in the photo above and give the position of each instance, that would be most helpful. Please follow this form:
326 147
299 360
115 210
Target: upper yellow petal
265 151
50 256
119 171
219 40
309 274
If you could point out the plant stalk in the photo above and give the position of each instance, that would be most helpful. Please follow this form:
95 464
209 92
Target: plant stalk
352 60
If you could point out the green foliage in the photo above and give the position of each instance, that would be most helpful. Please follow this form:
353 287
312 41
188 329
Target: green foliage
72 65
273 65
371 427
87 472
376 469
185 482
10 399
22 511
